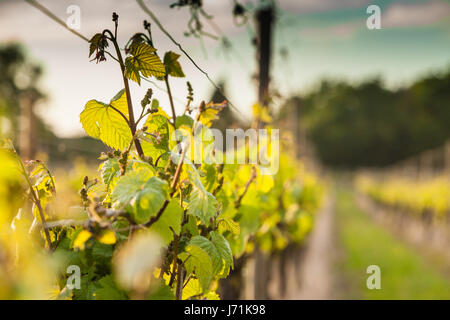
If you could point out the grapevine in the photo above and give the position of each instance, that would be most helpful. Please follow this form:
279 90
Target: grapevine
150 223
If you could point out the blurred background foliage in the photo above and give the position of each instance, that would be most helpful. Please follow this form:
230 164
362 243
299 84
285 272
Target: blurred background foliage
364 124
20 80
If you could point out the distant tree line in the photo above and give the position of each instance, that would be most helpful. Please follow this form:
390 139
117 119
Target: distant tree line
366 124
20 78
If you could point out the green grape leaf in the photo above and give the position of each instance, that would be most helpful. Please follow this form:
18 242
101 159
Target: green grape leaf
109 290
228 224
184 120
109 170
210 178
202 204
173 67
81 239
144 61
88 288
140 192
196 260
211 295
211 250
238 244
210 112
191 226
129 185
102 252
160 291
195 178
43 182
192 288
107 237
102 122
132 71
136 164
172 217
158 125
98 41
223 247
150 198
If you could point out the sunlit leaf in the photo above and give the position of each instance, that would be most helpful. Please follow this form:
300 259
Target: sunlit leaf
224 250
143 61
211 250
158 125
109 170
171 219
227 224
202 204
81 239
261 113
141 192
102 122
210 113
151 198
107 237
108 290
196 260
192 288
184 120
160 291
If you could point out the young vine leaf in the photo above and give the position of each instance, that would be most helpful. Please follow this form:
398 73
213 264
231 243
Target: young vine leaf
143 61
197 261
141 194
173 67
102 121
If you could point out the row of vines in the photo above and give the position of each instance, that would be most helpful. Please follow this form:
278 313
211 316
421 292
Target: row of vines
416 209
428 199
150 223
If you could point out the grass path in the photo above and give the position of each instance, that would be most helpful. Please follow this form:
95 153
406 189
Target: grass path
316 272
404 273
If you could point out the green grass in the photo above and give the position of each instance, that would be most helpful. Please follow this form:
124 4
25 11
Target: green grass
404 273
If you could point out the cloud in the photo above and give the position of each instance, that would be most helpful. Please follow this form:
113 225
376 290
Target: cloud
313 6
21 21
418 14
341 31
396 15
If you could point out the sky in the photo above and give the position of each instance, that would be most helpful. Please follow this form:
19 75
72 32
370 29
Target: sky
322 38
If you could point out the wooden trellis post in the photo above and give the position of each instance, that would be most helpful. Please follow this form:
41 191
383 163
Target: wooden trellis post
27 127
264 22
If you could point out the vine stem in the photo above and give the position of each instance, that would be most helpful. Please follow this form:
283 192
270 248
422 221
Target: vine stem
132 123
41 214
180 280
161 27
145 9
169 92
237 203
173 187
175 257
37 202
220 181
